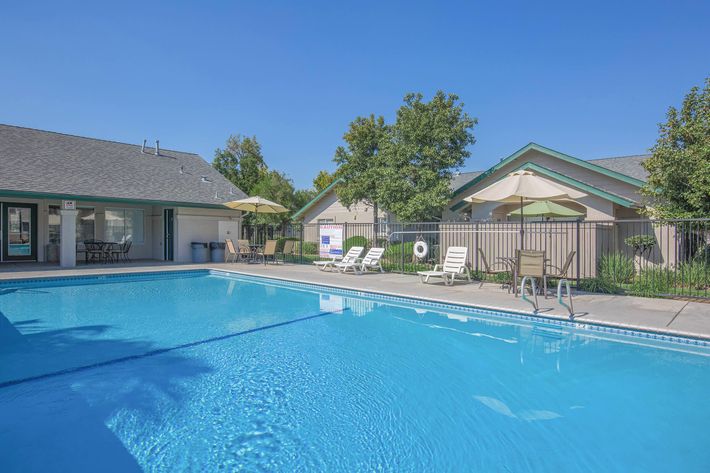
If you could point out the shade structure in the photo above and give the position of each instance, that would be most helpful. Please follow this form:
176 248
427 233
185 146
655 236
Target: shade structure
520 186
523 184
256 204
545 208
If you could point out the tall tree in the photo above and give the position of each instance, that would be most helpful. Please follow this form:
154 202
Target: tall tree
323 180
277 187
678 184
360 163
428 141
241 162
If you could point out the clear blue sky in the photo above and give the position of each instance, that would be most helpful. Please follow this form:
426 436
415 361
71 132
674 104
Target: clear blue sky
590 79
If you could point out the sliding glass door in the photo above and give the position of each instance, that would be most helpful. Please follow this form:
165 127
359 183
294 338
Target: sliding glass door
19 232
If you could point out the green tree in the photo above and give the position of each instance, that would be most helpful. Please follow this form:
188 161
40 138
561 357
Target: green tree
277 187
359 162
427 142
241 162
678 184
323 180
301 197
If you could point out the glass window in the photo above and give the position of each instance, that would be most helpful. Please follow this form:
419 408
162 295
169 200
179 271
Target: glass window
54 222
124 224
85 224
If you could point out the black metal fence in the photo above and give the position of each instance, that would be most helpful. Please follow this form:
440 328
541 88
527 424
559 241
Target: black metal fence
662 258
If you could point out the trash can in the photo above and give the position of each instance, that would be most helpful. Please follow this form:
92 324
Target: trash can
217 251
200 253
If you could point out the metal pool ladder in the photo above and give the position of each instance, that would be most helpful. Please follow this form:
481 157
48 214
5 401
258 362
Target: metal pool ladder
569 306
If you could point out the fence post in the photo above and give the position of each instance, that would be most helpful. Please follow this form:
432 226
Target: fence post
300 245
475 249
579 257
345 236
401 246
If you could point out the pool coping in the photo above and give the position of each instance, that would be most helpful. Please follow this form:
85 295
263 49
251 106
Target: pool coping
675 336
640 331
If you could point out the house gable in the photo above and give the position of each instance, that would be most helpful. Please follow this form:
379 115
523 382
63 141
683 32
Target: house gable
550 152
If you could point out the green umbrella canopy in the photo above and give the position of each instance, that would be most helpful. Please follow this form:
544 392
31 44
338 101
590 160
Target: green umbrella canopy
545 208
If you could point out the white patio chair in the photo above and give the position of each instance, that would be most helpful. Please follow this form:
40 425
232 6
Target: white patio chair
370 261
351 256
454 265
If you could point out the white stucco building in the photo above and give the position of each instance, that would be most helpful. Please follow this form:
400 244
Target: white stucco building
59 190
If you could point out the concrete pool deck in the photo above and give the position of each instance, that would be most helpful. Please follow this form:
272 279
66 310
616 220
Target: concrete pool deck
669 316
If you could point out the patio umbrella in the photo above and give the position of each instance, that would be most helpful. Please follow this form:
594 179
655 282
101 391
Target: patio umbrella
545 208
257 205
519 186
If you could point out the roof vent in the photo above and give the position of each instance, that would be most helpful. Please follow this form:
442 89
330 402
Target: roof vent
143 147
182 169
205 179
157 147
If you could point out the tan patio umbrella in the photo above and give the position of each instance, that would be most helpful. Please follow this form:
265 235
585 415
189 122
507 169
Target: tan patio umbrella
519 186
257 205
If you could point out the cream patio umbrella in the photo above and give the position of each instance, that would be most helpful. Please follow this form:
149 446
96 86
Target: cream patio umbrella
519 186
257 205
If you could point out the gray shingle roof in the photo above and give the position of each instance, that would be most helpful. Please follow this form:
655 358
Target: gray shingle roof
629 165
46 162
462 178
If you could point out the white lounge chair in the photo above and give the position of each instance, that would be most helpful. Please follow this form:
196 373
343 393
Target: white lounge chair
370 261
351 256
454 265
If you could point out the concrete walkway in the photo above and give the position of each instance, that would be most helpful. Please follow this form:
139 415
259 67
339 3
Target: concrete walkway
668 316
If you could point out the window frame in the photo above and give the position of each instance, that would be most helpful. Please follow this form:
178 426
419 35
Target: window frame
134 240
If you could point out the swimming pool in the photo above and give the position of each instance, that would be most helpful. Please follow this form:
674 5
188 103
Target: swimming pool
207 371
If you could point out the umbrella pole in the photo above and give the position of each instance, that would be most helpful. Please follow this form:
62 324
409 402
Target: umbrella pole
522 230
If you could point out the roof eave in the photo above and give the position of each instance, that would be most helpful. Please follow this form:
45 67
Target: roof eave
315 199
42 195
565 157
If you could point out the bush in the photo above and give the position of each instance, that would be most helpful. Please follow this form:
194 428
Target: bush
356 240
641 243
393 253
695 275
616 268
652 282
598 285
309 248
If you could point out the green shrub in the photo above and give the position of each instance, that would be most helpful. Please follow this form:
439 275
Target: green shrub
598 285
641 243
309 248
616 268
652 282
393 253
356 240
695 274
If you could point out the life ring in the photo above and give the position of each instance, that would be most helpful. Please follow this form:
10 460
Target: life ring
421 249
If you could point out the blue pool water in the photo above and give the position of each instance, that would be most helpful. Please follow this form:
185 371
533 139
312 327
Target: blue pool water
207 372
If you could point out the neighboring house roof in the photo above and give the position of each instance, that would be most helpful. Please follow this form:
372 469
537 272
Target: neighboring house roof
628 165
50 164
461 178
457 181
609 170
316 199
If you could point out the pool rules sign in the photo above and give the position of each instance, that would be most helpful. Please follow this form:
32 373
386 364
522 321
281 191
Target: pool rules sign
331 241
